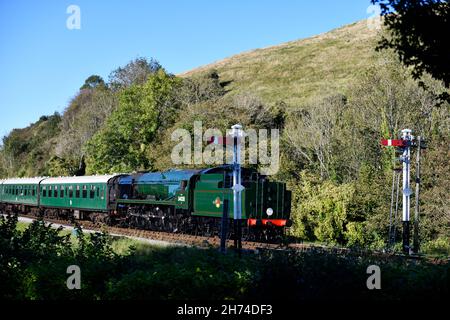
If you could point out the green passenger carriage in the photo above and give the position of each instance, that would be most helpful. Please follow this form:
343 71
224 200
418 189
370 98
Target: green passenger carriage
85 193
23 191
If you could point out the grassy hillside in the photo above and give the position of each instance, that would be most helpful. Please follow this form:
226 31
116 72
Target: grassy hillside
297 70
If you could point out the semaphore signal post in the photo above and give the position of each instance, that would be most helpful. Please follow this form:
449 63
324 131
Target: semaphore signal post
404 145
233 139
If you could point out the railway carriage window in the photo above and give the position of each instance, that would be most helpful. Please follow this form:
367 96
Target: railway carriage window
44 192
102 194
77 192
33 192
92 193
70 192
61 192
84 192
50 191
55 192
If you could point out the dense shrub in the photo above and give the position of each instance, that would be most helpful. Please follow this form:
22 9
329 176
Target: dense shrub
34 261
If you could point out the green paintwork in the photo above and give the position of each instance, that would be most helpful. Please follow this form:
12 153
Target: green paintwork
95 201
202 195
180 200
20 194
209 195
153 191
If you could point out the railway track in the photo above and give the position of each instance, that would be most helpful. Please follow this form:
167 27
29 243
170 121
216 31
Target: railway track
214 242
177 238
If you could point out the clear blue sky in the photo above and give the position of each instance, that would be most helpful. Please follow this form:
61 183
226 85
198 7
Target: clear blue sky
43 63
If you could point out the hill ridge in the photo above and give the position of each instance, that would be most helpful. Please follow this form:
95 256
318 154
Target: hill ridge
296 70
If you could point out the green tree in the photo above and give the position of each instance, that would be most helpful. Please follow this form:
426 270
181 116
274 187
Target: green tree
26 151
123 143
92 82
321 209
416 33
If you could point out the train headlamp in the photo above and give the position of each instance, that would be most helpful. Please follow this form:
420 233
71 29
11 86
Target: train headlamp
269 211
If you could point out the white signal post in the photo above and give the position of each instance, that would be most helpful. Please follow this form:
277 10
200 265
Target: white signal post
237 134
235 139
406 160
405 144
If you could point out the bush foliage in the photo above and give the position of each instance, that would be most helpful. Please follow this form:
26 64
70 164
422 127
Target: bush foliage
34 261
